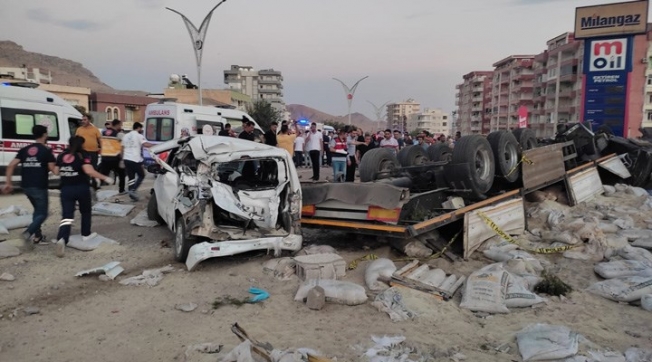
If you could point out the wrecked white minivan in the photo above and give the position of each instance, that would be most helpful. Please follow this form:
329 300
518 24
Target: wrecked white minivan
224 196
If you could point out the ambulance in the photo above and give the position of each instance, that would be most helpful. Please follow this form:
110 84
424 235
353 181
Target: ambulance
23 107
165 119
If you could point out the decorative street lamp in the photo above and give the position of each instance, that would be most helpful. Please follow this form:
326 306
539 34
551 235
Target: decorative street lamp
197 37
379 111
350 92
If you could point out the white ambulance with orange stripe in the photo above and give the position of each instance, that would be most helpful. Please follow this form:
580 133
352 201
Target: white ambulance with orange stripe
20 109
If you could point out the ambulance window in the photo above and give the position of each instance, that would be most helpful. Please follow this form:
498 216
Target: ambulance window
73 124
18 123
150 129
166 129
159 129
236 124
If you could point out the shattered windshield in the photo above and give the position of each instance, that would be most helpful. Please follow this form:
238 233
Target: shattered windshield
248 174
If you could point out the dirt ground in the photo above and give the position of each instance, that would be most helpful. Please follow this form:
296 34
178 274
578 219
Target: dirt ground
84 318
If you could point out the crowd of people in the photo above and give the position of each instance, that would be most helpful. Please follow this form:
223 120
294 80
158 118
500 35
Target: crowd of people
80 174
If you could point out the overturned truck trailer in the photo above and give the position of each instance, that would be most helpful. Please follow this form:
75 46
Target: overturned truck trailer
434 194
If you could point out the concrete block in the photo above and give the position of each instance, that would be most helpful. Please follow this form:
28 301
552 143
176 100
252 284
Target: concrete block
316 298
320 266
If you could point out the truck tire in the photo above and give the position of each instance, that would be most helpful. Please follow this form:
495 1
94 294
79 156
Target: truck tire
476 151
376 163
182 241
439 152
506 154
525 138
152 210
412 156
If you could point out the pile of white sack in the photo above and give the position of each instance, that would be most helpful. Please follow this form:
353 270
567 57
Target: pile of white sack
628 275
14 217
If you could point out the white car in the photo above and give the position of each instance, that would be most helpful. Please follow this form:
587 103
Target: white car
225 196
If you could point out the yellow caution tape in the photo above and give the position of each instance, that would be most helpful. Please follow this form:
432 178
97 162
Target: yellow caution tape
354 264
508 238
435 255
522 160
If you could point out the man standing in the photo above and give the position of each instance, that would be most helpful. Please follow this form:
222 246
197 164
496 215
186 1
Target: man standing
327 148
270 136
111 156
389 142
132 148
314 146
37 161
352 142
248 132
92 143
299 146
226 131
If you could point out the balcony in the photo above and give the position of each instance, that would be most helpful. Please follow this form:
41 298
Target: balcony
570 61
269 81
476 109
504 80
478 89
566 93
568 78
526 77
270 91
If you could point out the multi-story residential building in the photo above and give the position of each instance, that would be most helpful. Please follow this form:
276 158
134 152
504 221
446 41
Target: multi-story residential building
512 88
473 100
33 75
264 84
646 122
557 85
398 113
432 120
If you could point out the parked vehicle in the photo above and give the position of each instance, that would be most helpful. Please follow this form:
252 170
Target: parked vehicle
21 108
165 119
224 196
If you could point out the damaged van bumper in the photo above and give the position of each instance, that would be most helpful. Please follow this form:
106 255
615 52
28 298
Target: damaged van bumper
206 250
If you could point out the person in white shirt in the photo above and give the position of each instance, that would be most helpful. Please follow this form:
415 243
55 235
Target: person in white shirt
314 146
132 148
299 146
389 142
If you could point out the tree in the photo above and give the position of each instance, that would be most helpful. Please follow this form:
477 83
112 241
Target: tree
263 113
81 109
334 124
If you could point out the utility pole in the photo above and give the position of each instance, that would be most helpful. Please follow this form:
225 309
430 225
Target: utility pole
378 111
197 36
350 92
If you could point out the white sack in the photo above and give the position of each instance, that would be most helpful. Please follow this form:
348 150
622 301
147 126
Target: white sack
336 291
622 268
540 342
643 243
518 294
379 268
646 302
143 220
111 209
484 290
640 254
638 355
628 289
16 222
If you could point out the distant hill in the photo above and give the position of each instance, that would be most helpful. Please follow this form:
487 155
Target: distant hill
299 111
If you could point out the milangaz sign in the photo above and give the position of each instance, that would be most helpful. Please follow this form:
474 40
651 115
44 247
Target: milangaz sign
611 19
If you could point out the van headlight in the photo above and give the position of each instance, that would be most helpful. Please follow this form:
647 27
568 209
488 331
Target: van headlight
295 203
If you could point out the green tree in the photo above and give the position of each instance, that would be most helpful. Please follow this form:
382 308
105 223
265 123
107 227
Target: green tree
263 113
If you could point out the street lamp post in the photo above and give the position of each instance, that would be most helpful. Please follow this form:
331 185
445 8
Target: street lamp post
197 36
379 111
350 92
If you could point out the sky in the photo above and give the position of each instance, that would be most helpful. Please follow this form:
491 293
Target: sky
416 49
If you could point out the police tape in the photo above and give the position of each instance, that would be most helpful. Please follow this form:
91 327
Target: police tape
492 225
522 160
354 264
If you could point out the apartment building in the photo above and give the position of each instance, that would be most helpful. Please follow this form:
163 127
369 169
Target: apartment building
646 122
33 75
398 113
557 85
473 101
512 87
432 120
266 84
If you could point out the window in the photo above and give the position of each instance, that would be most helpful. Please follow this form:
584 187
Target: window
18 123
129 114
649 80
444 124
109 114
649 99
116 113
159 129
649 116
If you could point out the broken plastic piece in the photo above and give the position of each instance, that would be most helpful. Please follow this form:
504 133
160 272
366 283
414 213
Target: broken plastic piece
112 270
259 295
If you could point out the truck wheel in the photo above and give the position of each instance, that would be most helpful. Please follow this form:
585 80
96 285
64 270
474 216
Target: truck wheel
506 154
182 241
412 156
377 163
525 138
152 210
439 152
476 151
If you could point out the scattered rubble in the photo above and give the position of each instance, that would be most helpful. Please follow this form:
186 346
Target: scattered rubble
77 242
111 270
390 301
149 277
7 277
142 220
317 249
281 268
7 250
320 266
186 307
112 209
336 291
31 310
